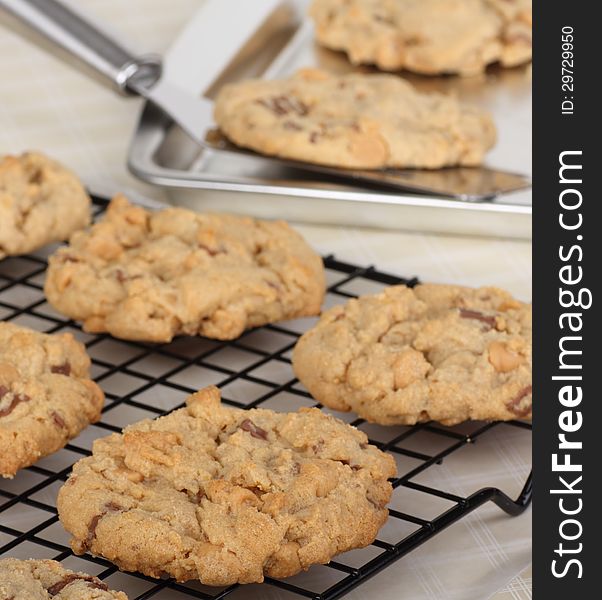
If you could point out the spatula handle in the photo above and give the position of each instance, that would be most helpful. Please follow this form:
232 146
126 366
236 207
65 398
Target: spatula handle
86 41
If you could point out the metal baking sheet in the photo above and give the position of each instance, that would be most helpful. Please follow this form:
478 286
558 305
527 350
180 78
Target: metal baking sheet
210 52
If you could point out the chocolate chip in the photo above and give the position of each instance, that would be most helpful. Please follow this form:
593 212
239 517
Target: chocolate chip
210 251
364 445
283 105
383 19
121 276
109 507
256 432
98 585
17 399
58 420
514 404
274 286
3 391
64 369
519 36
317 447
63 583
292 126
466 313
314 136
36 177
92 530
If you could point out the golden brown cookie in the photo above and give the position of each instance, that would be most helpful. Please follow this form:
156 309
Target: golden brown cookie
225 495
427 36
40 202
149 276
45 579
405 356
355 121
46 395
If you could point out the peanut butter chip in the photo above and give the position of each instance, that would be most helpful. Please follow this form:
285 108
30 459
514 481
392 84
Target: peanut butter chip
410 366
502 358
368 148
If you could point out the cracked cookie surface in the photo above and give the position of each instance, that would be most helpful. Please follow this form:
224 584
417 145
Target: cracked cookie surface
40 202
149 276
433 352
46 395
354 121
45 579
427 36
225 495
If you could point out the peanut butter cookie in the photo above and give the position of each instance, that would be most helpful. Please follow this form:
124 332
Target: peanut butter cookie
40 202
45 579
149 276
46 395
427 36
225 495
439 352
354 121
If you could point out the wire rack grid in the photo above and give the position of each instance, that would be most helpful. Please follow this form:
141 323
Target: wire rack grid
142 381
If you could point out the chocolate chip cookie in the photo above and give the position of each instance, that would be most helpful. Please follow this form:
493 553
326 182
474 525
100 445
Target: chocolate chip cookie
149 276
354 121
434 352
427 36
46 395
45 579
225 495
40 202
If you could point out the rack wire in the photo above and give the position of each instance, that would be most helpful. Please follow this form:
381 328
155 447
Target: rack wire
142 380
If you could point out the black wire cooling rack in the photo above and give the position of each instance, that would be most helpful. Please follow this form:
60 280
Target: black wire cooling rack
143 380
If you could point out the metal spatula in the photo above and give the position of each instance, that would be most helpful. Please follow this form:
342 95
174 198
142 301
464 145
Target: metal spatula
131 73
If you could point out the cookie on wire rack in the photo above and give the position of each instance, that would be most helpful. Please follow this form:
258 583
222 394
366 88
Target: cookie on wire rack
149 276
40 202
433 352
226 495
46 395
45 579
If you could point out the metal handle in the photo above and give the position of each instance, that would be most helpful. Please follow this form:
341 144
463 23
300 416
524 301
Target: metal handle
84 40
